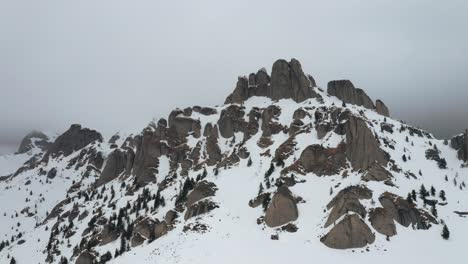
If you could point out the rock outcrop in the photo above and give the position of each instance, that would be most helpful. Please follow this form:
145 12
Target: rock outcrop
323 161
73 139
381 108
460 143
196 203
282 208
287 81
362 147
351 232
377 173
118 161
347 200
33 139
345 91
86 258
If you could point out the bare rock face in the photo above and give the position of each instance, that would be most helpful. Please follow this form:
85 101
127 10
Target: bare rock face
460 143
199 208
34 138
241 92
86 258
184 125
75 138
382 221
351 232
347 200
405 213
287 81
323 161
282 208
269 126
109 234
345 91
381 108
202 190
232 121
115 165
212 147
362 148
377 173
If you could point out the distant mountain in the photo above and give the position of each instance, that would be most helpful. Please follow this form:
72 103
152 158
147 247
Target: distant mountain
282 172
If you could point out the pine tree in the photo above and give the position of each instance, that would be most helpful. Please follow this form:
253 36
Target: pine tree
409 198
260 189
442 195
445 233
423 192
404 158
433 191
434 211
13 260
249 162
413 195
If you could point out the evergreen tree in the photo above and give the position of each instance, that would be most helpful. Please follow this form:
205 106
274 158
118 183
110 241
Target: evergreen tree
404 158
423 192
445 233
13 260
433 191
413 195
260 189
409 198
442 195
249 162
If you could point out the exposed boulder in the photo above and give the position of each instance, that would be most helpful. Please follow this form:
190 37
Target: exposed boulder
348 200
362 147
86 258
282 208
382 221
75 138
200 207
345 91
33 139
323 161
351 232
405 213
232 121
381 108
109 234
202 190
52 173
269 126
241 92
377 173
184 125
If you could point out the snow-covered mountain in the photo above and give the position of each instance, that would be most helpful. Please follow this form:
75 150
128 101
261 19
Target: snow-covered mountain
283 171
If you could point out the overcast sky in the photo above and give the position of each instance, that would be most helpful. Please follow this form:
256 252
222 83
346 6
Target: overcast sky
114 65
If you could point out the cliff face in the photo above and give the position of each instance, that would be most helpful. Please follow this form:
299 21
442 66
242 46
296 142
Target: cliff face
280 163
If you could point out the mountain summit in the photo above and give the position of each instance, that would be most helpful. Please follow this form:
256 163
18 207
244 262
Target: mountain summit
284 171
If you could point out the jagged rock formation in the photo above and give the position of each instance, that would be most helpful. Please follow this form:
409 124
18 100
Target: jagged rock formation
287 81
34 138
197 171
73 139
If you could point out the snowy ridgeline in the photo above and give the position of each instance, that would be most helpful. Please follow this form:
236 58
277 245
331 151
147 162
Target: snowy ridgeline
266 182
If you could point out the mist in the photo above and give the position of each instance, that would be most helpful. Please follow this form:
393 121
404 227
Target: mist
115 65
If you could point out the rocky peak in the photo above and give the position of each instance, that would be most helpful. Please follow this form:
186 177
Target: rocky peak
287 81
460 143
73 139
32 139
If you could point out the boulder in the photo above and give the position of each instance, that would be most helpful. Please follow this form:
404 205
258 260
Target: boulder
282 208
202 190
348 200
52 173
200 207
382 221
351 232
86 258
345 91
232 121
377 173
381 108
109 234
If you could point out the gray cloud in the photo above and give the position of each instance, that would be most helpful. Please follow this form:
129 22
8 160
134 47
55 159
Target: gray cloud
114 65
